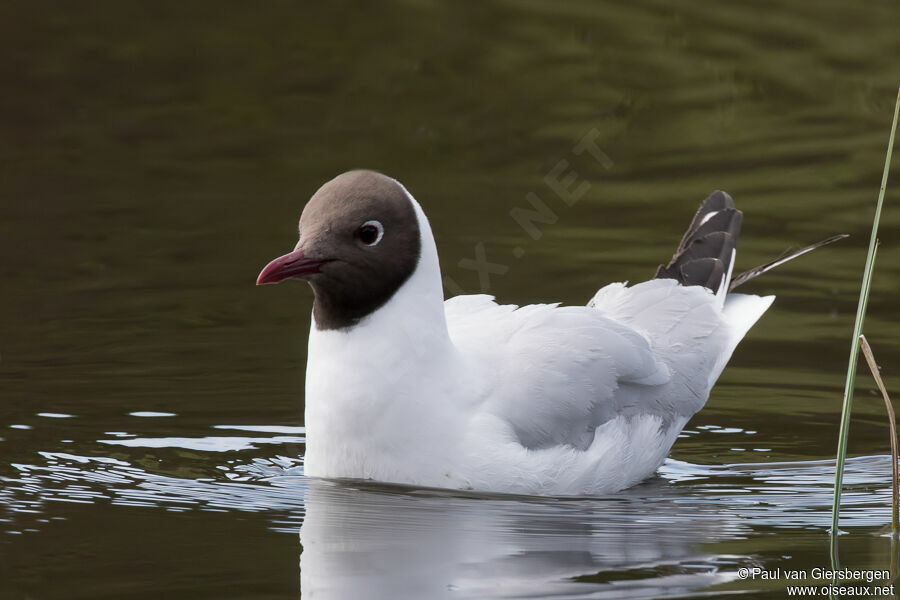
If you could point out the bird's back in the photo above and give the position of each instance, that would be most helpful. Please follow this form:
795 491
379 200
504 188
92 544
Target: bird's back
599 391
560 372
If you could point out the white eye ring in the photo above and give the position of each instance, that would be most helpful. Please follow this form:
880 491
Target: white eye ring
364 230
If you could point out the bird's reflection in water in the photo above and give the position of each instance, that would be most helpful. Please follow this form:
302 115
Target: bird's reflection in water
363 541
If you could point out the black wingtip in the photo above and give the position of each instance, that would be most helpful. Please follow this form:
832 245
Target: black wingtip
705 251
785 257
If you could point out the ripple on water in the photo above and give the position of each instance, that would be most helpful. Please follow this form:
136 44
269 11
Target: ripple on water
659 538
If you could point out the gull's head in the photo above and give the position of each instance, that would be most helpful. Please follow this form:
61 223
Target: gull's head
360 241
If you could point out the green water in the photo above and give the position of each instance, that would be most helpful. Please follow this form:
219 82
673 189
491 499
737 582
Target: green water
154 157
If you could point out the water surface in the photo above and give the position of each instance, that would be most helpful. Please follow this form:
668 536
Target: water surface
155 157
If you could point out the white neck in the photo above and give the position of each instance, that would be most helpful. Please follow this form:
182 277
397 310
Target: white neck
364 376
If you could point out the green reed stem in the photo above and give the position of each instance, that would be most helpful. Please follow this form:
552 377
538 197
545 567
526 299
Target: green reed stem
854 344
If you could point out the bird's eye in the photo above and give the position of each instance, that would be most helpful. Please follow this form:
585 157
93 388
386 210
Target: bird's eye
370 233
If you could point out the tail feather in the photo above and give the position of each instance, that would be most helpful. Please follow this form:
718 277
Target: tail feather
740 312
705 257
706 251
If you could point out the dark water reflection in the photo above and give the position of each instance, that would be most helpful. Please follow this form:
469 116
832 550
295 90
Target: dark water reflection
686 531
154 157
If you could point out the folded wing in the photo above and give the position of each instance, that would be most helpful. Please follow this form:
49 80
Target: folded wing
553 374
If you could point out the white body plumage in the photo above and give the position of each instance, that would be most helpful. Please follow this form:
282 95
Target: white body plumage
542 399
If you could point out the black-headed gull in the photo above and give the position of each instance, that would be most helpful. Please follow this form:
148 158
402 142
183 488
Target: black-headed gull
405 387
